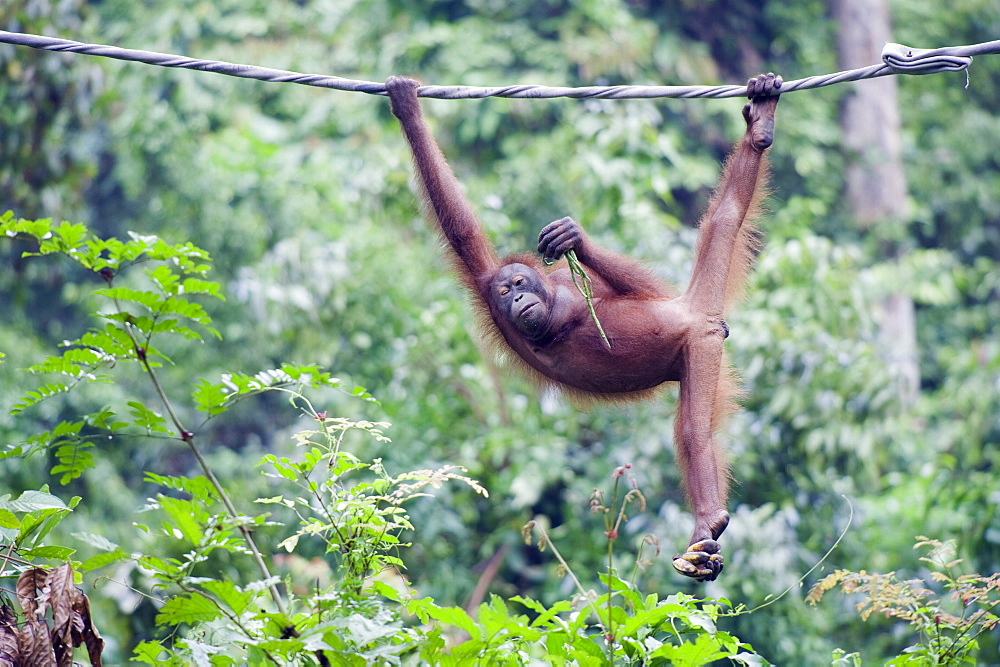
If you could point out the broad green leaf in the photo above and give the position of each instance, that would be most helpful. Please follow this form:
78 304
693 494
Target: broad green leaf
289 543
51 552
386 591
99 541
103 560
704 650
169 567
426 609
495 618
189 609
229 595
38 524
185 516
149 652
275 500
31 501
544 615
8 519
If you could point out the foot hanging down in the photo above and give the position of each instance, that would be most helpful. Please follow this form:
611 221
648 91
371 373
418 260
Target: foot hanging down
702 561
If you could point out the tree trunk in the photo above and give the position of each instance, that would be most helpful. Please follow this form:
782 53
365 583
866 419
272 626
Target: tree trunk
875 186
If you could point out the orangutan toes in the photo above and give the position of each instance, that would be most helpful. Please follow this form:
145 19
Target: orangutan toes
701 562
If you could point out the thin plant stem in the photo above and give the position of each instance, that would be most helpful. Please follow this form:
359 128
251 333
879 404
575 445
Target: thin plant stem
188 438
798 583
611 533
569 571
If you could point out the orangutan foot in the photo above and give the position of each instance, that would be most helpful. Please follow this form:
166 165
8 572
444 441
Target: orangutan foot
701 562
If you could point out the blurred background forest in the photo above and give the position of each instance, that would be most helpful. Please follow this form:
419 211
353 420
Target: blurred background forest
868 346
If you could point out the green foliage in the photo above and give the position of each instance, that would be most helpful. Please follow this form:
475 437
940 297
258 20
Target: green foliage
25 522
635 629
356 617
355 510
359 525
679 630
946 637
173 273
215 398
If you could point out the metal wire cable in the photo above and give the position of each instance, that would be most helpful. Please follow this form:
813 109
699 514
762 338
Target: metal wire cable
896 59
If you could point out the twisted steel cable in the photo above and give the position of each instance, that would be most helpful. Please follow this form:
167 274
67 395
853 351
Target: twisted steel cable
896 59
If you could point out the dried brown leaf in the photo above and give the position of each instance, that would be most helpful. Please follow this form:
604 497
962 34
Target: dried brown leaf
28 585
10 654
36 644
72 623
91 637
61 595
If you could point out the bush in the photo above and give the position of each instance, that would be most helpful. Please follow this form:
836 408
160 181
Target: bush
329 502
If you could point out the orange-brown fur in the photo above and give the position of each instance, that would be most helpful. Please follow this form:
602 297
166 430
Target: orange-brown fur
748 244
536 321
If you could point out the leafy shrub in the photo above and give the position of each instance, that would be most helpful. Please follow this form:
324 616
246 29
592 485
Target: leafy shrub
949 633
354 510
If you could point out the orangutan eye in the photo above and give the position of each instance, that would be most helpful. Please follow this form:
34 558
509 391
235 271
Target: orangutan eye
518 281
502 291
